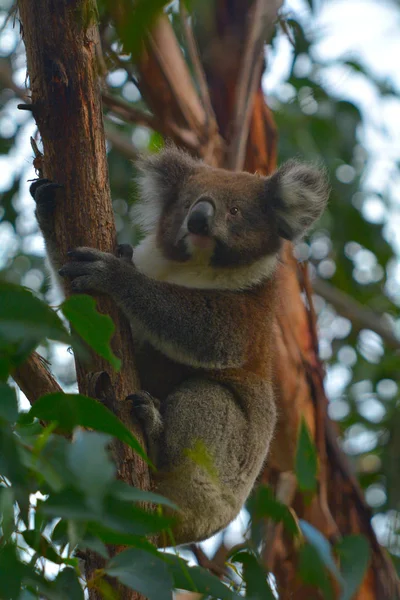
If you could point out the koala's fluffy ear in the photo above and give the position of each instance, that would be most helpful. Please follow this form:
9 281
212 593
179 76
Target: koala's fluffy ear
160 179
299 196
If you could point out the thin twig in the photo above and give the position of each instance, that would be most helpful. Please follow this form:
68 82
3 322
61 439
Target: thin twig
129 113
205 562
119 142
7 81
361 317
198 68
168 56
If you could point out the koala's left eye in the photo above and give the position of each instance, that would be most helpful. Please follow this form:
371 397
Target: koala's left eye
234 210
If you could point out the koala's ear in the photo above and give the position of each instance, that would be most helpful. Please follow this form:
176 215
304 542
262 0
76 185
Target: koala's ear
161 176
299 195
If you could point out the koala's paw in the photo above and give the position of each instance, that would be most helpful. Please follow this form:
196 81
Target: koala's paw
90 270
147 410
125 251
43 191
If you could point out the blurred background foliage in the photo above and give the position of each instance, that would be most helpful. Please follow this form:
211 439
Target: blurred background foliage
331 105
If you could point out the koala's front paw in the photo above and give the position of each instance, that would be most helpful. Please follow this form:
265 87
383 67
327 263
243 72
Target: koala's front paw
90 270
43 191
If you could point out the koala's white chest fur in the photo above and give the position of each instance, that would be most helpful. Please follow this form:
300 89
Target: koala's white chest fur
197 273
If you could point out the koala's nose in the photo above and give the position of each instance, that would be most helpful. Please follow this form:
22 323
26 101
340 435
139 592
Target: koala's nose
201 217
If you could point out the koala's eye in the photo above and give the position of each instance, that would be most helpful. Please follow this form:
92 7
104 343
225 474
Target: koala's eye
234 210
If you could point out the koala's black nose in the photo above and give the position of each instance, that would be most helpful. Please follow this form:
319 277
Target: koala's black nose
201 218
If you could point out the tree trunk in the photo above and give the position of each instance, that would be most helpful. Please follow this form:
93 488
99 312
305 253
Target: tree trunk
60 39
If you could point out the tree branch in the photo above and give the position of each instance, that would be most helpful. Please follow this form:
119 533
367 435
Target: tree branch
261 19
34 378
129 113
361 317
121 143
211 122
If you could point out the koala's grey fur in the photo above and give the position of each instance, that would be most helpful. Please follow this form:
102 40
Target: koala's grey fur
201 307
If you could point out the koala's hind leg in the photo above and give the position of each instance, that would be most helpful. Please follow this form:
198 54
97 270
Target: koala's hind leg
197 439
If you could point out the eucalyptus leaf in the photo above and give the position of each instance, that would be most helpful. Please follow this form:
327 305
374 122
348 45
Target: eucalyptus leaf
94 328
354 553
142 572
72 410
306 460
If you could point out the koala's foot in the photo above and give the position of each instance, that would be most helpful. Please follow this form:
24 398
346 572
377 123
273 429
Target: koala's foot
43 192
125 251
147 410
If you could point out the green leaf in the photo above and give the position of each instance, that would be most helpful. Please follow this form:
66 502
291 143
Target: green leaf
135 23
67 585
68 504
90 463
321 545
41 545
94 544
142 572
109 536
128 518
50 466
313 572
8 403
197 579
7 516
59 534
10 459
255 577
25 317
115 515
27 595
94 328
72 410
306 460
123 491
263 504
11 572
354 553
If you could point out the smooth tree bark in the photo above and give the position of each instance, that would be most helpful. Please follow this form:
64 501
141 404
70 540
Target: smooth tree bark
219 114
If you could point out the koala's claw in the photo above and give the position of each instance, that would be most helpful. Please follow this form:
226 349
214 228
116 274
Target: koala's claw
125 251
90 270
147 410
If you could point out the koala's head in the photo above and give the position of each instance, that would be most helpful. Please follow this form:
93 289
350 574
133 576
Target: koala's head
232 219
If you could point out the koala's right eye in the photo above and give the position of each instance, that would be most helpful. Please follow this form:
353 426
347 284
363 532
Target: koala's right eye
234 210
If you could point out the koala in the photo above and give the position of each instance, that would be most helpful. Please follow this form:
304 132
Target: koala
200 294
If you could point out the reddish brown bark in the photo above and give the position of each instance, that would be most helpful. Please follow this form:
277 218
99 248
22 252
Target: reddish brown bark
60 39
